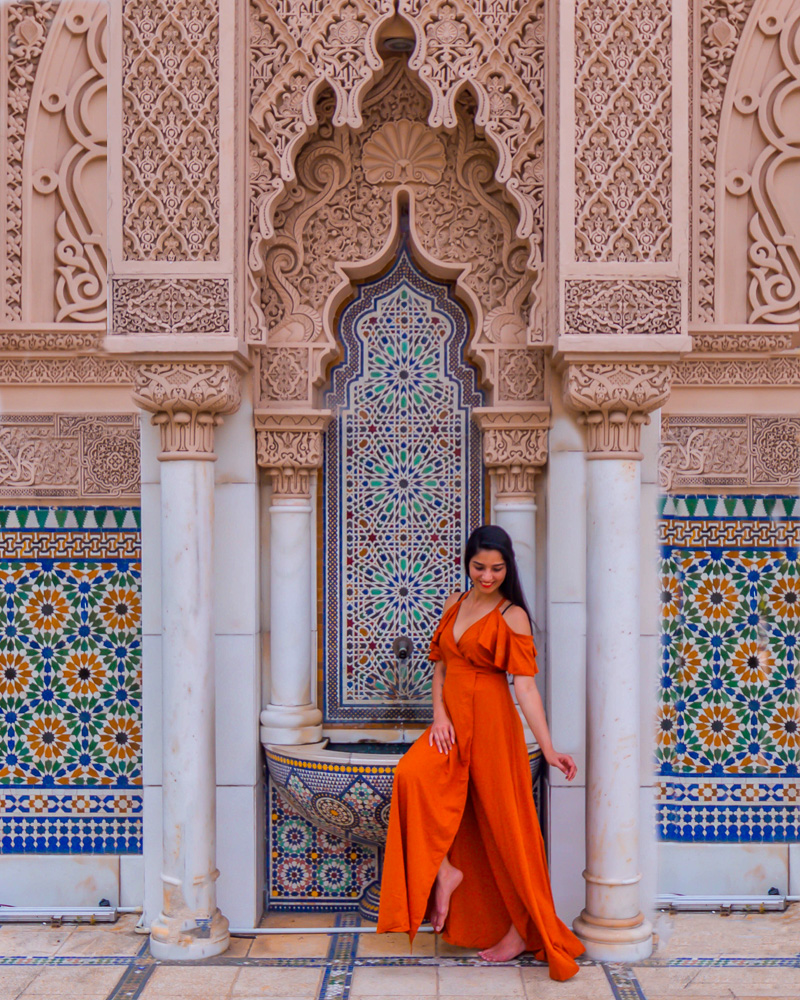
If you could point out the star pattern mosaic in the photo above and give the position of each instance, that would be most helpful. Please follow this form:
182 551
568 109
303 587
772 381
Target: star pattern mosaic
403 487
729 708
70 681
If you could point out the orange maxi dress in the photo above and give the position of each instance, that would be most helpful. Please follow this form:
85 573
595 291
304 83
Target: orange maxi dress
476 803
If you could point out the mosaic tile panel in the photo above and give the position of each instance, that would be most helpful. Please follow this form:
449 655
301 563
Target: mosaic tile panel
309 868
403 487
728 733
70 681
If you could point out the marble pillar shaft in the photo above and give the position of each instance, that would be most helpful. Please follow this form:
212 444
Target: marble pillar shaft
518 518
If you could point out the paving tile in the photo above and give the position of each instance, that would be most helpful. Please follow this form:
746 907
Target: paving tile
101 941
720 981
396 944
289 946
84 982
32 940
400 981
14 981
480 980
190 981
590 983
272 982
279 919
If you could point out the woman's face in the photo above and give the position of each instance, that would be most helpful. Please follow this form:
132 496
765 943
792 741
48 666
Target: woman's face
487 570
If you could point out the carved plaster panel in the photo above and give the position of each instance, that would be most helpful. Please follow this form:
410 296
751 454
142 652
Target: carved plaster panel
520 375
61 456
734 343
622 306
623 131
729 451
613 401
171 306
296 48
333 217
170 81
92 370
290 447
54 146
773 372
514 449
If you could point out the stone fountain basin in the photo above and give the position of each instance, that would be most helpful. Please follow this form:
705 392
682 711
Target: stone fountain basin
345 789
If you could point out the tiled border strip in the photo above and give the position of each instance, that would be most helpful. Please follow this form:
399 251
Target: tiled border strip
338 976
624 984
135 978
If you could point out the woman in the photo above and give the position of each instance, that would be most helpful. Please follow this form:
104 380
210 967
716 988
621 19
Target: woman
464 844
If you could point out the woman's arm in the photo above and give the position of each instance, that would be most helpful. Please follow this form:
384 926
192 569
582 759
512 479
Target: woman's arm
442 732
530 701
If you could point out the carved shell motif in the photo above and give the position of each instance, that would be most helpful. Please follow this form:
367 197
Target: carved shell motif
403 152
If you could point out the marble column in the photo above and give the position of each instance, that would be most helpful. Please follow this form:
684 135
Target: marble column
187 400
290 449
613 401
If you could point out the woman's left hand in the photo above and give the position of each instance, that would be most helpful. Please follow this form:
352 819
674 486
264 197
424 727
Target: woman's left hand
564 763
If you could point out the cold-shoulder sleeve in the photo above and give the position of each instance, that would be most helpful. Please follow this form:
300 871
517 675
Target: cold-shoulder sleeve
509 650
435 653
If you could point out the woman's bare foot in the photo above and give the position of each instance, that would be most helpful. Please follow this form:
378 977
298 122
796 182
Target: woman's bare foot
508 947
448 880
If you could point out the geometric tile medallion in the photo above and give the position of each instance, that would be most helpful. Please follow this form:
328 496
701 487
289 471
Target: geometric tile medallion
70 681
402 489
728 732
309 868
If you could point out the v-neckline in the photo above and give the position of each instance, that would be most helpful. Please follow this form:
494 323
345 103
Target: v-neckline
476 622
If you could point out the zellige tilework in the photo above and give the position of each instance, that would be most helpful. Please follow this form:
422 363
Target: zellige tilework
70 681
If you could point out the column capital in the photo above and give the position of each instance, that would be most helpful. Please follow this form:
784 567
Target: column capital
187 400
613 400
289 447
514 448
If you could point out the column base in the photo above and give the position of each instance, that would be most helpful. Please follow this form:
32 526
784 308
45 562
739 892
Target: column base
178 939
610 942
291 725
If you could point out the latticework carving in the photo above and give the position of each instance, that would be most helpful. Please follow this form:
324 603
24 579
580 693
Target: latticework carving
171 130
761 452
169 306
622 306
334 216
296 48
623 107
69 456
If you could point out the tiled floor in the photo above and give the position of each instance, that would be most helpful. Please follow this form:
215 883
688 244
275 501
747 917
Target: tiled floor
699 956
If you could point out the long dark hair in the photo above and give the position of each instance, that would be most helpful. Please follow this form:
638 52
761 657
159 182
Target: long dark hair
491 537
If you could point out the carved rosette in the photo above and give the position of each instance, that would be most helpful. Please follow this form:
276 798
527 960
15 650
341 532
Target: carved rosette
614 401
187 400
514 449
290 448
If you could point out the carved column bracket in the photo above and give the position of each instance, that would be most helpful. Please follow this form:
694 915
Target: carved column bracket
289 447
187 400
514 449
613 402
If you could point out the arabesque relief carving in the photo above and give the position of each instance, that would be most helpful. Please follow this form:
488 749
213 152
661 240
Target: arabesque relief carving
623 110
514 450
171 130
69 456
290 447
709 372
187 400
295 49
54 142
622 306
613 401
705 451
334 216
171 306
88 370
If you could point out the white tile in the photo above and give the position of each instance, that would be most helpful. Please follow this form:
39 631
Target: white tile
236 558
59 880
649 676
794 869
151 709
649 580
238 701
239 888
152 853
151 559
566 535
723 869
651 439
235 443
150 440
567 849
131 880
566 674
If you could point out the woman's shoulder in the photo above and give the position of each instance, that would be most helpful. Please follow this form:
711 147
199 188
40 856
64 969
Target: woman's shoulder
454 598
517 620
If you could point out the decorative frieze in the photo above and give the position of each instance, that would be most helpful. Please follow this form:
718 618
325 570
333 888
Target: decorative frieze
719 342
622 306
187 400
170 306
91 370
773 372
613 401
733 451
290 448
69 456
514 449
